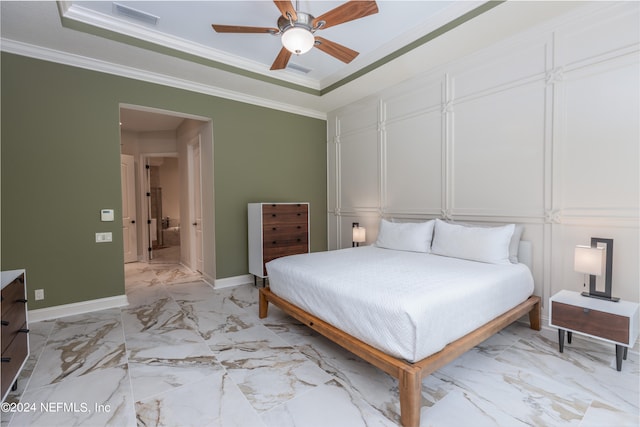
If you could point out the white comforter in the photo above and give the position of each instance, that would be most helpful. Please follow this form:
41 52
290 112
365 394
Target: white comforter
407 304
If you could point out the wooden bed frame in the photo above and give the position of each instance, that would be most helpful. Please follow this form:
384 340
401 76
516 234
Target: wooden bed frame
409 375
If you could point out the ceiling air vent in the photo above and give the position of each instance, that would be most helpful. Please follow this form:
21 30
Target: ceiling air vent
299 68
132 13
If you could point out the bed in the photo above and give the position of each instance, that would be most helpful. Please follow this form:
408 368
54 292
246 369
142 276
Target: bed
412 302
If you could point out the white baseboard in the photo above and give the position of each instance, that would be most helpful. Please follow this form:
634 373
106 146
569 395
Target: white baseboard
57 311
228 282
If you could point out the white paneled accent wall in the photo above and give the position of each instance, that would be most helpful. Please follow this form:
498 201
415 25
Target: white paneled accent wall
541 129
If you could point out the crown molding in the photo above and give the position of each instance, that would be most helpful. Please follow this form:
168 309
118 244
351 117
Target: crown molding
51 55
109 27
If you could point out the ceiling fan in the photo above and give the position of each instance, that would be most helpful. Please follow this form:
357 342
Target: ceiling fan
297 29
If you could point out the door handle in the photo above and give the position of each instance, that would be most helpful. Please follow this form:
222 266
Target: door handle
195 223
133 221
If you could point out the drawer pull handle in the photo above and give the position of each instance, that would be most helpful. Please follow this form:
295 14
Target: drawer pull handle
5 323
299 214
22 300
299 240
274 228
273 215
6 359
274 242
23 330
299 227
586 310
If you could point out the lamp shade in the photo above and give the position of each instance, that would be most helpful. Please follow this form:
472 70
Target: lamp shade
589 260
359 234
298 40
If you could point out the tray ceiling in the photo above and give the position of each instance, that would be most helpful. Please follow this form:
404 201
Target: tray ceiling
185 26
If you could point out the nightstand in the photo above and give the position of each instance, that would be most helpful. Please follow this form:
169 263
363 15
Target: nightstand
614 322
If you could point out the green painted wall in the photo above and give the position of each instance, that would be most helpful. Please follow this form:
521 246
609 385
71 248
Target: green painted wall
60 159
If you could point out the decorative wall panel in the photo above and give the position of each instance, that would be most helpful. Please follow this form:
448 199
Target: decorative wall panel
413 165
498 153
541 129
359 170
519 63
597 131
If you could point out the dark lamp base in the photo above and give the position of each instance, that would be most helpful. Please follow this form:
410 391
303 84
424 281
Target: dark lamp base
612 299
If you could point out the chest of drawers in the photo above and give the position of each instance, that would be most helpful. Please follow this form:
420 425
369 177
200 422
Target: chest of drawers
276 230
14 337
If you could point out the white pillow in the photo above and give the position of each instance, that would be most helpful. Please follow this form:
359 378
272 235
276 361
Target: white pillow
484 244
405 236
514 245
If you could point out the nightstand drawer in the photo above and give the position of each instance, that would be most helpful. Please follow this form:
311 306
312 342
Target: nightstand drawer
13 358
13 294
13 321
593 322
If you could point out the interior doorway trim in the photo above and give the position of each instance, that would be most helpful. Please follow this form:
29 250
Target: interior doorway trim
145 198
192 126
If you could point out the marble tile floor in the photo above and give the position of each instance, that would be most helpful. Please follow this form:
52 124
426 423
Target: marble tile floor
166 255
185 354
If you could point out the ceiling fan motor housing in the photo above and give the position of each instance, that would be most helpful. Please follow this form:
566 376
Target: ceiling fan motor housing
304 20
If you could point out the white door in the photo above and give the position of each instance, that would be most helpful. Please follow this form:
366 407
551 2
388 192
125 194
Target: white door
195 196
129 230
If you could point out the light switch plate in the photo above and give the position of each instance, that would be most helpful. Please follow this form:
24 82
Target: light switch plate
104 237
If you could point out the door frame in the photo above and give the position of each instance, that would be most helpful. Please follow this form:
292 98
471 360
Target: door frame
129 190
191 126
195 201
145 199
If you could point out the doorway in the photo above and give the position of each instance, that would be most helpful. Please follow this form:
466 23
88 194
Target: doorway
163 209
173 156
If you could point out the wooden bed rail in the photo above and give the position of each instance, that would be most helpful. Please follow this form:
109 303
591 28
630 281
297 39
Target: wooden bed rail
409 375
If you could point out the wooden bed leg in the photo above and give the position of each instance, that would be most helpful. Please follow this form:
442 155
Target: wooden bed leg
534 316
410 384
263 305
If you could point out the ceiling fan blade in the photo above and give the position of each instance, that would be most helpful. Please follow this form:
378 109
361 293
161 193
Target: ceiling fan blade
353 9
336 50
241 29
285 6
281 60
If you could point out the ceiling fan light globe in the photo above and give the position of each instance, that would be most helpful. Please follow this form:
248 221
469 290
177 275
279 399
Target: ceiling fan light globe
298 40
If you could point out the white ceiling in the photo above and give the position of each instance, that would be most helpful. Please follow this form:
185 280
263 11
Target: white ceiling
184 52
187 25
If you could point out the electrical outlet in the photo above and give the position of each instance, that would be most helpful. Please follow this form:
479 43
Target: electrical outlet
39 294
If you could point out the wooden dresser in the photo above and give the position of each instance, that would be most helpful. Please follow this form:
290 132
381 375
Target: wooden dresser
276 230
14 332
